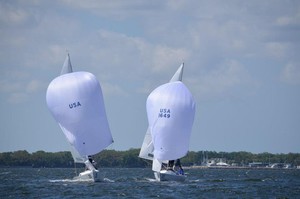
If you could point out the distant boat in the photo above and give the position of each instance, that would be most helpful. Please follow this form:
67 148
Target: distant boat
170 111
76 103
222 164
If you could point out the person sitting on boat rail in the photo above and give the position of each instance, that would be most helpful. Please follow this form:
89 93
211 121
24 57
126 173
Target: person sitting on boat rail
92 161
170 165
177 167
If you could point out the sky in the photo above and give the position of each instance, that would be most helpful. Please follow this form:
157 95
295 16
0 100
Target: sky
242 65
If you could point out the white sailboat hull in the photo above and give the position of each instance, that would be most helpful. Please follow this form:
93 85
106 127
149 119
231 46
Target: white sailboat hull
169 175
90 175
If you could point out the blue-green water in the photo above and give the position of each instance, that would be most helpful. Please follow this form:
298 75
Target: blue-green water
139 183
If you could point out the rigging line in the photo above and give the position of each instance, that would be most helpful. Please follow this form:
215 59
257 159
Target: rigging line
75 168
147 161
164 166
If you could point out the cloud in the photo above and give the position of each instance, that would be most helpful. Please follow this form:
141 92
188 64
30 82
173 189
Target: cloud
291 73
166 58
112 90
206 36
118 9
12 80
9 86
277 49
289 20
17 87
34 86
11 15
17 97
127 57
220 82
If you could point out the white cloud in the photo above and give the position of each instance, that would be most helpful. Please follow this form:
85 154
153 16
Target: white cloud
289 20
277 49
119 56
166 58
19 93
17 87
291 73
12 80
117 9
208 35
229 76
17 97
34 86
9 86
10 15
112 90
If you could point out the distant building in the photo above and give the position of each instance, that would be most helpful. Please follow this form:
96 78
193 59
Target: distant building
219 162
281 166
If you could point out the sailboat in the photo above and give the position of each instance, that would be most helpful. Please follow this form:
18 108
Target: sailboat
170 111
76 102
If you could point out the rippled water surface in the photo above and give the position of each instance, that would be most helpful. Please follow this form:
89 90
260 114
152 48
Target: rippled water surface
139 183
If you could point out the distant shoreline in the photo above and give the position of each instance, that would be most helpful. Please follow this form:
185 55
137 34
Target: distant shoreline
130 159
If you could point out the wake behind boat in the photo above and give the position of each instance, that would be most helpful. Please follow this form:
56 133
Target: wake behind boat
170 112
75 101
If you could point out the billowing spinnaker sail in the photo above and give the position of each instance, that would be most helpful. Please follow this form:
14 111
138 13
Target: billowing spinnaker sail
170 111
76 102
76 156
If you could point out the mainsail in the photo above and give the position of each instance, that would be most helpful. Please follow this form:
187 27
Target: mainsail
76 102
67 67
178 75
147 147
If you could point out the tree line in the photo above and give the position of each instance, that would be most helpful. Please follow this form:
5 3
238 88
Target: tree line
130 159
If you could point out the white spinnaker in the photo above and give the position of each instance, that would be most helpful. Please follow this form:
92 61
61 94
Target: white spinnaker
76 102
76 156
170 111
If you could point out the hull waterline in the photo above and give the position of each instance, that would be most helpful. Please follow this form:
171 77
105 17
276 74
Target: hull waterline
90 175
169 175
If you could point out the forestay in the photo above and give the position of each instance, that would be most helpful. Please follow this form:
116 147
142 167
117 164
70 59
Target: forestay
76 102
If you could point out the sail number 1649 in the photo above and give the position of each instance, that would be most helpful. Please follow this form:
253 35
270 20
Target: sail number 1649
164 113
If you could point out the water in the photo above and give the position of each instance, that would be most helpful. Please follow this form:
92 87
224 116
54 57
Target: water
139 183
